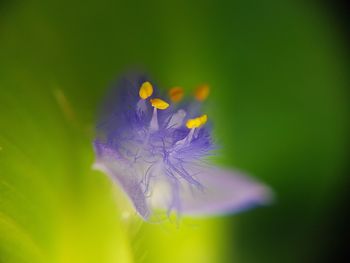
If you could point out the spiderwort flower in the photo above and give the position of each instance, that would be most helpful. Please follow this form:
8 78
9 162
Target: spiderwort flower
156 152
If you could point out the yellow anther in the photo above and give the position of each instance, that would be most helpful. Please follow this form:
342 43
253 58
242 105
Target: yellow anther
193 123
159 104
176 94
201 92
146 90
196 122
203 119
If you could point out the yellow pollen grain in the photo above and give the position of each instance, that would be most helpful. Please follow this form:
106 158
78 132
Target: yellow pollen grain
202 92
196 122
159 104
176 94
146 90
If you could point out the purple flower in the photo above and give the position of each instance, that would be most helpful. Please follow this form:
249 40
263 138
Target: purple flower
156 152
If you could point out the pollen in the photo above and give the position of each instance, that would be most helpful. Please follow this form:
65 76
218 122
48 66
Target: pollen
202 92
176 94
196 122
159 104
203 119
146 90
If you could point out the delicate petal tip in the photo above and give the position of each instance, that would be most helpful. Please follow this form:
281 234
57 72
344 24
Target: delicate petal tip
107 162
132 191
224 192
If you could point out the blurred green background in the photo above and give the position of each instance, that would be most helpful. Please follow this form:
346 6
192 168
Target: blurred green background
278 75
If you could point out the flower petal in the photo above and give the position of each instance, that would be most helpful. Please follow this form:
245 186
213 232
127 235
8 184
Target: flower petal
107 162
223 192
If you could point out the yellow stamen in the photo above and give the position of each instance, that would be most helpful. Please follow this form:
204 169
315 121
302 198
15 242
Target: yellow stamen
201 92
203 119
176 94
146 90
159 104
196 122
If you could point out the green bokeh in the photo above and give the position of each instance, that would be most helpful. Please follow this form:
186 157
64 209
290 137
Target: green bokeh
278 102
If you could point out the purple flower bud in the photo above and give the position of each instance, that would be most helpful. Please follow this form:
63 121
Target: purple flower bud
156 153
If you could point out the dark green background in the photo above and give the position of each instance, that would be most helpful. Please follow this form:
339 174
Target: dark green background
279 104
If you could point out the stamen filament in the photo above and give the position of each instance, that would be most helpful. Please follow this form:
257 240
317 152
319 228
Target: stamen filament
157 104
190 135
154 126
